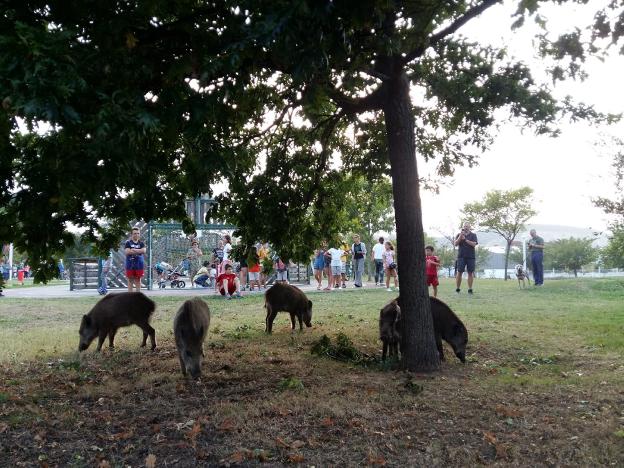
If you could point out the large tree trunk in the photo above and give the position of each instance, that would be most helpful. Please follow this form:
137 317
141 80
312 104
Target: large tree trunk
419 349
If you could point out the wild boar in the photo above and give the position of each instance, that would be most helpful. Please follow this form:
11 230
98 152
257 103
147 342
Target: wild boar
287 298
389 333
190 327
446 326
115 311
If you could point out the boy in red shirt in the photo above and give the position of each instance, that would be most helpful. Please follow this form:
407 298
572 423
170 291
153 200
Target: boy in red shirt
228 283
433 263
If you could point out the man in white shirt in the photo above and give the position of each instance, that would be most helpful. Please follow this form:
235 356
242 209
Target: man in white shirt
377 258
336 265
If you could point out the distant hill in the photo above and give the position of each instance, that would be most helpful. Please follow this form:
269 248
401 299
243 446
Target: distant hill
550 232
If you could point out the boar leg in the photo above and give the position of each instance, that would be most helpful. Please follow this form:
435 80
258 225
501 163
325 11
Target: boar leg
148 330
269 318
439 346
300 322
101 338
111 337
385 350
182 366
293 322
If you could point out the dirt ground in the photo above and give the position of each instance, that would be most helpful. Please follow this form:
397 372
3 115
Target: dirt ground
266 400
132 408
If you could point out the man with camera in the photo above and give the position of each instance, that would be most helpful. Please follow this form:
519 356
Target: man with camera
465 241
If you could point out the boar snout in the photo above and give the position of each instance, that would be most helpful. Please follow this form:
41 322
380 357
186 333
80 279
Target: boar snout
461 355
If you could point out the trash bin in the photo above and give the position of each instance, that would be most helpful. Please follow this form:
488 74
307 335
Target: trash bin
20 276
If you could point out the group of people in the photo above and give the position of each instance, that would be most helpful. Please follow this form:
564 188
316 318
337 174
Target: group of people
219 273
333 263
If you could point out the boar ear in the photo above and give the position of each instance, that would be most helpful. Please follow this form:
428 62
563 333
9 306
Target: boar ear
87 320
309 303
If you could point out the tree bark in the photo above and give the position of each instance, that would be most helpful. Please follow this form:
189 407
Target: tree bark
507 250
418 343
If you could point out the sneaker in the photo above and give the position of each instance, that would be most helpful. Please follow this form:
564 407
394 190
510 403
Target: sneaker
457 290
470 291
344 286
396 289
376 284
389 289
238 296
228 297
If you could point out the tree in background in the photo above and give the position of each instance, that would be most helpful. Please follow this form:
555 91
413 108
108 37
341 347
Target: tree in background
570 254
158 100
368 209
503 212
447 256
613 253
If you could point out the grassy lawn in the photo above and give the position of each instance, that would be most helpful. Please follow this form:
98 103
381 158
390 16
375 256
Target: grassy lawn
544 385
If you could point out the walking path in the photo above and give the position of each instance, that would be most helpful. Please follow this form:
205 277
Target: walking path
62 291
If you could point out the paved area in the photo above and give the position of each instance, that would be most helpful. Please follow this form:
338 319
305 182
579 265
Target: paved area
62 291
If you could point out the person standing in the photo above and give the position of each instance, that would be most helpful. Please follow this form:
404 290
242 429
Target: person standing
134 249
390 265
343 264
536 248
319 264
377 258
433 263
336 265
466 241
358 254
106 265
194 256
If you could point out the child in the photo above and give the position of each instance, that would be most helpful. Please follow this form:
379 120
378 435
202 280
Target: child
336 265
228 283
433 263
390 266
213 274
202 275
254 269
134 249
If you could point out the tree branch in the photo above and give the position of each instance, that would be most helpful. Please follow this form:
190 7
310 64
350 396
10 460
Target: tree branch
458 23
351 106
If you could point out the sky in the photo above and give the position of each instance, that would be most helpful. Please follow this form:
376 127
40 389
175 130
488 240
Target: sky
565 172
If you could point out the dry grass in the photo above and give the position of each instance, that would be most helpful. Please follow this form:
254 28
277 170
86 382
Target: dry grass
543 386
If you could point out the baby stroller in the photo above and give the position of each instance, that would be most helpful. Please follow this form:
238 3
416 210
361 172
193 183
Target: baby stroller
168 273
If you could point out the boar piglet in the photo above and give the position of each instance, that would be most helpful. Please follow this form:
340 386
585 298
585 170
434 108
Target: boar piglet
189 329
446 326
284 297
115 311
389 333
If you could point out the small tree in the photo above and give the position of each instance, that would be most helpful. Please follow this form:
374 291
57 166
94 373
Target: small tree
613 253
446 254
503 212
571 254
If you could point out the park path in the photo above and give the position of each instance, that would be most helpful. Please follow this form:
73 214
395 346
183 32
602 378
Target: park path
62 291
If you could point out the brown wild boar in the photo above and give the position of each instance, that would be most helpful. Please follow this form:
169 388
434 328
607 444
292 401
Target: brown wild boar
389 333
287 298
189 329
446 326
115 311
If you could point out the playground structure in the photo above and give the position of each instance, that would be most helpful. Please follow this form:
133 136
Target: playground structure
165 242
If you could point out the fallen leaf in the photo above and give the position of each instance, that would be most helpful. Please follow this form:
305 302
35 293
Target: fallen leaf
104 464
502 451
489 437
279 441
507 412
150 461
297 444
227 425
121 435
327 422
295 458
193 433
376 460
238 457
3 427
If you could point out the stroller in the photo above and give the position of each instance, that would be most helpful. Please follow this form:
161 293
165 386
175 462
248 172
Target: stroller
167 273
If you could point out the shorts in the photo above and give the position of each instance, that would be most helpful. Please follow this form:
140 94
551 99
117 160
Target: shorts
465 264
336 270
282 276
134 273
432 280
231 289
343 268
254 275
319 265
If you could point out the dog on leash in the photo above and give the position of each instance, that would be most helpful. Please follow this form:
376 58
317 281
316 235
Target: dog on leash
522 276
